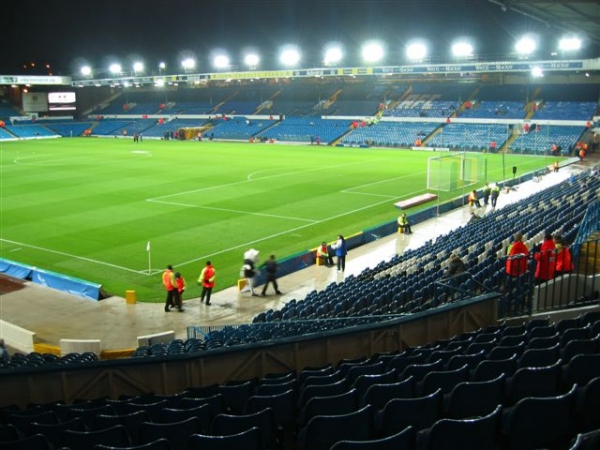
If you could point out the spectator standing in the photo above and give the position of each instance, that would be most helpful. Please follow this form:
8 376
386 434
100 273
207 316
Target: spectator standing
271 269
249 269
180 284
494 195
324 254
340 251
546 260
474 200
516 261
168 280
564 260
207 281
487 191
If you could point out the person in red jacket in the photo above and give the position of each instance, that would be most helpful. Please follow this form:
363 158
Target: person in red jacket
564 260
168 280
207 281
180 285
516 261
546 261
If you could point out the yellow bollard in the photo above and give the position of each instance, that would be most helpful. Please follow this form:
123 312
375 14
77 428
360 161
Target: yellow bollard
130 297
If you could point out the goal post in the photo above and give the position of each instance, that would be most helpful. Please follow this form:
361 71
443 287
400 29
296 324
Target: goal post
455 171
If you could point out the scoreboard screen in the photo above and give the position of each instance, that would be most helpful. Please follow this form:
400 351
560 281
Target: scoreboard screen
61 101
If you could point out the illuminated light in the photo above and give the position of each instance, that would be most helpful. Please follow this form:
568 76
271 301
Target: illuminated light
372 52
138 67
537 72
221 61
569 44
526 45
333 55
86 71
162 65
462 49
290 57
115 68
251 60
188 63
416 51
159 83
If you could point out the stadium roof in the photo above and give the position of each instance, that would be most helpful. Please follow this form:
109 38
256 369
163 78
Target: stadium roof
574 16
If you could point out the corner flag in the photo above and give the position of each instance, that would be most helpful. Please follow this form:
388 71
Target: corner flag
148 246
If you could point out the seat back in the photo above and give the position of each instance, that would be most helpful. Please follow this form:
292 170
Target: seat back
84 440
418 412
490 370
250 439
236 395
53 431
324 431
225 424
328 406
474 398
404 440
540 422
452 434
443 380
533 382
131 422
177 433
34 442
379 394
320 390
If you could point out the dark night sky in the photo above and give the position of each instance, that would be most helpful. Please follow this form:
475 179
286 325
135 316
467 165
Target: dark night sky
65 33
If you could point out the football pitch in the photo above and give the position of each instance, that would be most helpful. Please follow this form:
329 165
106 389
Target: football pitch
88 207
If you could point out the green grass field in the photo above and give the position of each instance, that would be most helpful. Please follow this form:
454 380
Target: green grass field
87 207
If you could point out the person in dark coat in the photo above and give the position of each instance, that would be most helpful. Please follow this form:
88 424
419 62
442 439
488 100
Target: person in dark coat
271 269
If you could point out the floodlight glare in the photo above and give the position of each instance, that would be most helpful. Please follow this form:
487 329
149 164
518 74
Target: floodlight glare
115 68
333 55
162 65
372 52
525 46
188 63
537 72
251 59
138 67
290 57
221 61
462 49
86 71
569 44
160 82
416 51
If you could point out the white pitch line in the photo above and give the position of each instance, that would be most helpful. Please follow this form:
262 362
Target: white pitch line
235 183
56 252
265 238
249 213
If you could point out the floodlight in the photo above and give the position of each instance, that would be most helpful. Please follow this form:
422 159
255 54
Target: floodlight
333 55
251 60
162 65
537 72
462 49
221 61
526 45
188 63
115 68
290 57
86 71
416 51
372 52
569 44
160 82
138 67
